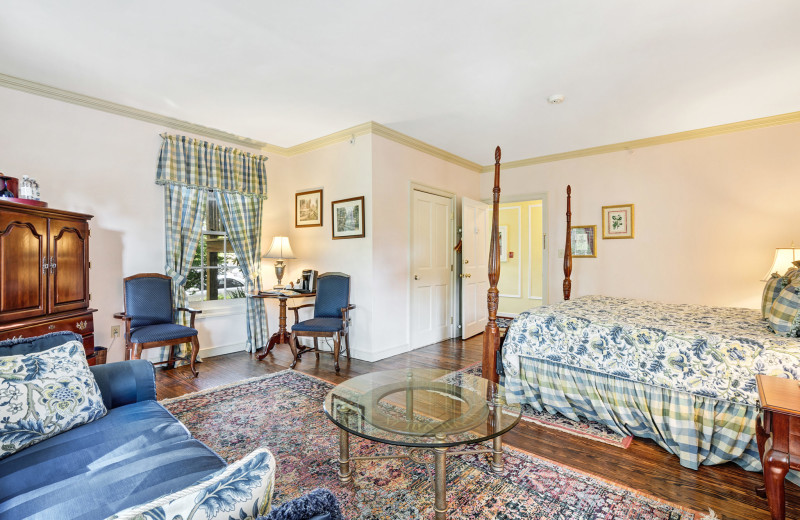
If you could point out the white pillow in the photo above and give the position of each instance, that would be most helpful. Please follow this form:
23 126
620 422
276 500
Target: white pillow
242 490
45 393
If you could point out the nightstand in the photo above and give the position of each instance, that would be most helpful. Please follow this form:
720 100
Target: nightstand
778 437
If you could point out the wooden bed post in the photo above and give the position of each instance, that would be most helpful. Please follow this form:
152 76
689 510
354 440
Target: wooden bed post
568 248
491 335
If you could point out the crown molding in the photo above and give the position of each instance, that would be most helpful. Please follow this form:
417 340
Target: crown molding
39 89
336 137
422 146
750 124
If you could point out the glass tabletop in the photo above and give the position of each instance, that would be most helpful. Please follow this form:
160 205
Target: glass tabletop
421 408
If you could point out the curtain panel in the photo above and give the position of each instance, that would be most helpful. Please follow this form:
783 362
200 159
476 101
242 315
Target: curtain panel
199 164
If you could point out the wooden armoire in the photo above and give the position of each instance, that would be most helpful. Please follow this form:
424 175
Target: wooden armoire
44 273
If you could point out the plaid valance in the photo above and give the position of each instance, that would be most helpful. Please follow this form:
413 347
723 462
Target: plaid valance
189 162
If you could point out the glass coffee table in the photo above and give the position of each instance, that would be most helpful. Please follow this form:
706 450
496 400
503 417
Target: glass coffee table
427 411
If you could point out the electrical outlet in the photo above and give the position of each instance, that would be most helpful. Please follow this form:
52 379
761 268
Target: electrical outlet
115 331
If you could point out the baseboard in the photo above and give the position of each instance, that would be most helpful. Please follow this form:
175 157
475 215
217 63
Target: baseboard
221 350
371 356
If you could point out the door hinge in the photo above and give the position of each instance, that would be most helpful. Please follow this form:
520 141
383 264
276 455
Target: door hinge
90 296
90 265
451 268
544 241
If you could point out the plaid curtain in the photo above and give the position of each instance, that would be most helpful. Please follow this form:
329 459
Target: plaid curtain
241 216
184 211
190 162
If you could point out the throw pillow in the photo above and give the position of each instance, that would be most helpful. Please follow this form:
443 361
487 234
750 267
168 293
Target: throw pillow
774 286
784 316
242 490
45 393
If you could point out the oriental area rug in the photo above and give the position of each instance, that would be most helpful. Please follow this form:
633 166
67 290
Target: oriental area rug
283 412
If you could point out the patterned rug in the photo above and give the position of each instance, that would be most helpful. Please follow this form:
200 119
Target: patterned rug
283 412
586 429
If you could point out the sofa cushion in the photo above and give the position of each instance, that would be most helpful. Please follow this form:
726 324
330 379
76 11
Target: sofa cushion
13 347
45 393
134 454
243 491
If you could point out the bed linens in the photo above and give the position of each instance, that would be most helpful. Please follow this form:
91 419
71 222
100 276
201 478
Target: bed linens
706 351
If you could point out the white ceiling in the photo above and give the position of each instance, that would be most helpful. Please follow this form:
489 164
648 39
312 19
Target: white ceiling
462 75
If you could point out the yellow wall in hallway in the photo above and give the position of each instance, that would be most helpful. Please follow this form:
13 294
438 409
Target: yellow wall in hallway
520 282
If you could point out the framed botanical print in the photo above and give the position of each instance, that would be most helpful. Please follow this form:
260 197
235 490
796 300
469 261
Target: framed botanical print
348 218
618 221
308 208
583 241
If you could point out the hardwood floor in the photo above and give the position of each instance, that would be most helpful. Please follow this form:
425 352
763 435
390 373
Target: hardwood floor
644 466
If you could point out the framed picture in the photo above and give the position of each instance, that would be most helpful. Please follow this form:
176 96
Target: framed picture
618 221
584 241
348 218
308 208
503 235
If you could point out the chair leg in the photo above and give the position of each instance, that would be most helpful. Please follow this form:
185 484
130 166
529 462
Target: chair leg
127 352
316 346
171 359
295 349
136 351
195 350
336 347
347 344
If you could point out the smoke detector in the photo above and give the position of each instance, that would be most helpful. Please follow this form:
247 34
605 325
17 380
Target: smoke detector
556 99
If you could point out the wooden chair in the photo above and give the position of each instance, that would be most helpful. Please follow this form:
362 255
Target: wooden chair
331 318
150 318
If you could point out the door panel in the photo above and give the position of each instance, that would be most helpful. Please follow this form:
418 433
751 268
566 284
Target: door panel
430 268
474 266
69 254
23 281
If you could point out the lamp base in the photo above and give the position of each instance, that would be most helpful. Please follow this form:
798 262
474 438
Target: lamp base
279 286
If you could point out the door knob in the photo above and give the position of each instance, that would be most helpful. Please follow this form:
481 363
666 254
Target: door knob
466 261
468 275
416 277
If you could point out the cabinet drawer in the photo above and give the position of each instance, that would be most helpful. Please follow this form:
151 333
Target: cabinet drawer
82 324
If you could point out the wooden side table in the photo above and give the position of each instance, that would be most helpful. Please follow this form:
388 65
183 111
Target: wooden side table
283 335
778 437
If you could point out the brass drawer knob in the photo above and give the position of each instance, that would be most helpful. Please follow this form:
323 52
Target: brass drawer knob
81 325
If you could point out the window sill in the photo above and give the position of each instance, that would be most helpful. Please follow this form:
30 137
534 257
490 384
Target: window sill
220 308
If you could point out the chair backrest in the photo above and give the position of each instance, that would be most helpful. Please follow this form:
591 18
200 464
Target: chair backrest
333 293
148 299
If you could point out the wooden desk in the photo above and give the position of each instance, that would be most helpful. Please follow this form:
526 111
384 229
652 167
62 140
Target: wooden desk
778 437
282 336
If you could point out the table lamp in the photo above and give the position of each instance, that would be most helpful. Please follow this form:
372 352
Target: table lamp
281 250
785 257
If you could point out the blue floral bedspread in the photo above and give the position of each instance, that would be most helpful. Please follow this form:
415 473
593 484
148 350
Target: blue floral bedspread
707 351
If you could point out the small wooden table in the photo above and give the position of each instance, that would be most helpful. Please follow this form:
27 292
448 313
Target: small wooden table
282 336
778 437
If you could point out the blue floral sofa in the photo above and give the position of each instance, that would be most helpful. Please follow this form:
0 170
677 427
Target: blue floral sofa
131 460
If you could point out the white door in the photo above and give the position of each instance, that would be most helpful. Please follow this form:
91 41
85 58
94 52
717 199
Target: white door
475 232
431 268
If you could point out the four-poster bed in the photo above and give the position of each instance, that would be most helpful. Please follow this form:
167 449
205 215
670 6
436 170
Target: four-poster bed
681 375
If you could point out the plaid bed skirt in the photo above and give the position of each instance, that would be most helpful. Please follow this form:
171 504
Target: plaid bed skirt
698 429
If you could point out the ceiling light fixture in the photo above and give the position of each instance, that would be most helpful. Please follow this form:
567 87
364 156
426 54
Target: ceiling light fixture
556 99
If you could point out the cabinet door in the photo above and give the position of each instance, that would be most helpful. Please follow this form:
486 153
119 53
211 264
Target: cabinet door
23 277
69 265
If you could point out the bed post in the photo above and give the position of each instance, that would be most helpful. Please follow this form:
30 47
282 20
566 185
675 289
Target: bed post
491 335
568 248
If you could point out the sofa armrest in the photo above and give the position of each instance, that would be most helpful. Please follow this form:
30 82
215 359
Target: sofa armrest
125 382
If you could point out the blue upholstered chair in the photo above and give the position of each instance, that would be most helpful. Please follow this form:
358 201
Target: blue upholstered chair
150 318
331 318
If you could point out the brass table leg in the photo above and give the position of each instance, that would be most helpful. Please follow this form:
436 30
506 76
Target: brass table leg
345 474
497 442
440 484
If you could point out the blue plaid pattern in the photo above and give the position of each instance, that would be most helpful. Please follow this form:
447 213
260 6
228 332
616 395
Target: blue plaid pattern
772 289
784 316
189 162
241 216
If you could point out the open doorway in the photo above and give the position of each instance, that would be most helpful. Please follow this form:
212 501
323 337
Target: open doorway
523 255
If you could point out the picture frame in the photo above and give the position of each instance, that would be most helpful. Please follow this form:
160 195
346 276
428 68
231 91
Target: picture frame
308 209
584 241
503 235
618 221
347 218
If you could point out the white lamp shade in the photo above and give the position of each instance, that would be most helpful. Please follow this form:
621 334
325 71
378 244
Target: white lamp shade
784 258
280 248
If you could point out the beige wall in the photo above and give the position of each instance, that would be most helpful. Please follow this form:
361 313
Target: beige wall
708 214
520 281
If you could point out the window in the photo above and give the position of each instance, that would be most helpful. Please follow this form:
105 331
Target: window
215 273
